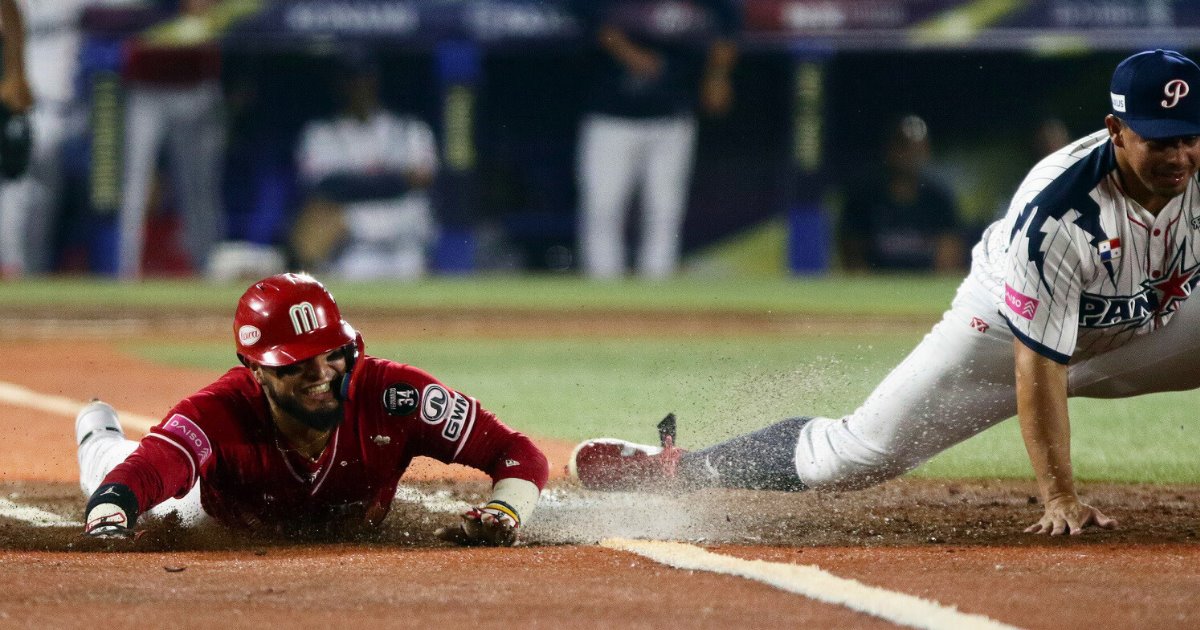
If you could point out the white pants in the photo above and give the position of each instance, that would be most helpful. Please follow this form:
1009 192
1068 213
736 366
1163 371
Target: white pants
615 156
100 454
959 381
12 228
31 206
191 122
388 239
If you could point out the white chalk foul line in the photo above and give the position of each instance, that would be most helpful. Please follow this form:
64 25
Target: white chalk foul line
439 502
30 399
34 516
812 582
24 397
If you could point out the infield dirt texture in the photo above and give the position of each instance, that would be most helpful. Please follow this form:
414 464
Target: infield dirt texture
956 543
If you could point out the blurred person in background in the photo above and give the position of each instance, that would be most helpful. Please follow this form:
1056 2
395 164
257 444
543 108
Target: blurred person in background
904 219
658 63
16 98
1049 135
53 36
365 176
174 98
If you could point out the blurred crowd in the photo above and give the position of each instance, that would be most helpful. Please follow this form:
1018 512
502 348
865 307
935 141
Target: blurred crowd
144 161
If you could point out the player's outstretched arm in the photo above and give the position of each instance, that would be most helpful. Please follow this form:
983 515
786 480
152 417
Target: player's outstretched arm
1046 430
495 523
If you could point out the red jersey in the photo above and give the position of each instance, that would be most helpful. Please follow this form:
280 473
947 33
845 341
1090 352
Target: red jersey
223 437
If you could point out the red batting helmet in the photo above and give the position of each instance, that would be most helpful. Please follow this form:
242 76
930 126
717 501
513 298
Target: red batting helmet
288 318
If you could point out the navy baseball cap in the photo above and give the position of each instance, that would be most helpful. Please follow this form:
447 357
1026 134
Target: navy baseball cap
1157 93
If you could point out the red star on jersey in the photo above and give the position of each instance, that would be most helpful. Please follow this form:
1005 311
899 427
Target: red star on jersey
1175 285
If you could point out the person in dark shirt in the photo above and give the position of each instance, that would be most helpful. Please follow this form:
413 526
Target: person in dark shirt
657 64
905 220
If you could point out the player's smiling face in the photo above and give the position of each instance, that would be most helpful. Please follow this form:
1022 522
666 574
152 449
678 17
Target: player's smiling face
307 390
1154 171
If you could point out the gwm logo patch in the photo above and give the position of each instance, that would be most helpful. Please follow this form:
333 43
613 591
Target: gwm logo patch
437 403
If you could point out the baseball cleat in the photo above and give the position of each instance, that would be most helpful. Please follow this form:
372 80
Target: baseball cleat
95 419
617 465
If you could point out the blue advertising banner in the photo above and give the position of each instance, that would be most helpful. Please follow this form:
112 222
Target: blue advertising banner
419 22
826 24
997 24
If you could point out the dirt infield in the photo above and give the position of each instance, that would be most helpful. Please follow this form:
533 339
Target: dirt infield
954 543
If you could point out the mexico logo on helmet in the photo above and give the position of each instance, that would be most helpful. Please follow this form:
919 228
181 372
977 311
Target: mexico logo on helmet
288 318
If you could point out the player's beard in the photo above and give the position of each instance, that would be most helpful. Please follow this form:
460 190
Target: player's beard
319 420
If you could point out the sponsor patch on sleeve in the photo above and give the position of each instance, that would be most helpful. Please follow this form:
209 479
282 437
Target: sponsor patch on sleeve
1020 303
192 436
435 402
461 417
400 399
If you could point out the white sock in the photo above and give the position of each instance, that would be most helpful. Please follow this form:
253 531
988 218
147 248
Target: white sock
98 455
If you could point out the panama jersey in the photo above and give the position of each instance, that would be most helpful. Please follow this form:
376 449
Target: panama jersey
384 143
1076 267
223 437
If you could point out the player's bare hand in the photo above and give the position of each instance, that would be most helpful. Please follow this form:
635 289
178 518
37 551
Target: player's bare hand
491 525
1069 515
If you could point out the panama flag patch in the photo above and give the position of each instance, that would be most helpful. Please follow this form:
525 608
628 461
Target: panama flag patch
1110 249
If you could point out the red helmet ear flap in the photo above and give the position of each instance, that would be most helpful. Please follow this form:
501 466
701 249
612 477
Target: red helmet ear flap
288 318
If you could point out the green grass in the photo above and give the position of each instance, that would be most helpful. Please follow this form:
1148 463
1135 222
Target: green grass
897 295
577 388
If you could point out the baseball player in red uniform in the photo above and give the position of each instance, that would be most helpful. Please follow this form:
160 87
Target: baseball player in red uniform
308 434
1081 289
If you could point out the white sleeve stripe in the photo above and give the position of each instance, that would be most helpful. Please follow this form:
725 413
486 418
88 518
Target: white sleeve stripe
467 431
188 454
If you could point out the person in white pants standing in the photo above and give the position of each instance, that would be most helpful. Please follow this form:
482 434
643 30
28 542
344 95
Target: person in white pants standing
32 205
174 96
658 61
15 96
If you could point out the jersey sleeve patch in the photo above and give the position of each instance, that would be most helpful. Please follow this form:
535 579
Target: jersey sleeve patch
400 399
1019 303
190 435
435 403
461 418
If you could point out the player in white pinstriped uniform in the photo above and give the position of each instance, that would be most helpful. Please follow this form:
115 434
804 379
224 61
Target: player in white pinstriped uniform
1082 286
